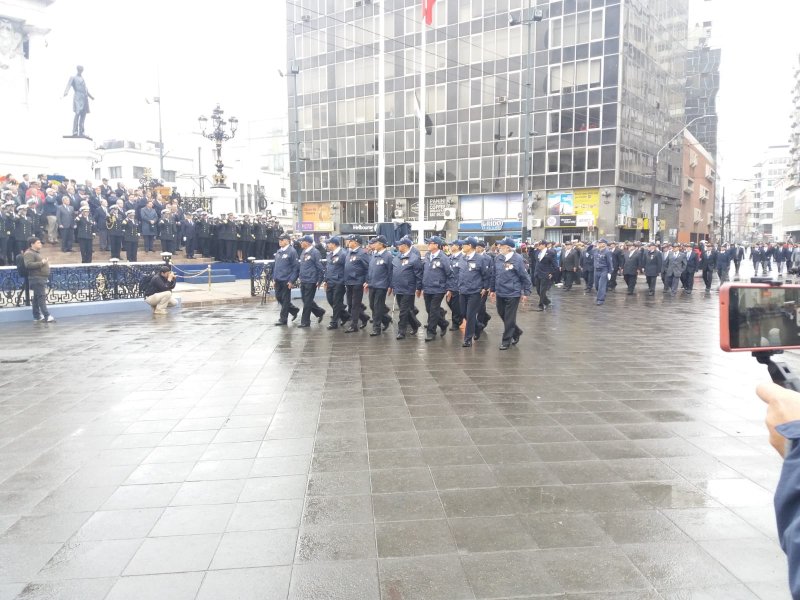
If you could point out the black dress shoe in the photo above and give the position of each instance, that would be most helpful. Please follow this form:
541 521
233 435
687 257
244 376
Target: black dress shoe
515 340
386 325
351 330
374 333
364 323
414 331
304 325
294 314
401 336
454 328
444 330
467 344
504 346
477 336
430 337
540 308
332 326
280 323
322 316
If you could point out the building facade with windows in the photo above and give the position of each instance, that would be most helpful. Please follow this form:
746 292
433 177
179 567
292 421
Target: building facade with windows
769 182
696 215
702 75
606 93
125 161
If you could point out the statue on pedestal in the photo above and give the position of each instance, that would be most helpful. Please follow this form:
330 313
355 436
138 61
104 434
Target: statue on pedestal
80 102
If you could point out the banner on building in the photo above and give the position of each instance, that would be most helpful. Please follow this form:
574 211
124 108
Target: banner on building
560 203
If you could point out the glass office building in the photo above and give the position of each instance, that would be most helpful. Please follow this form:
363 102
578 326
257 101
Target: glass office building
606 92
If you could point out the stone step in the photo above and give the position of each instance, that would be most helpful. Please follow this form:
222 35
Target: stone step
215 278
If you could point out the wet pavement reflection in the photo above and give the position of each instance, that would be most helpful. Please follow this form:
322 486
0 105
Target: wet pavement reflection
615 453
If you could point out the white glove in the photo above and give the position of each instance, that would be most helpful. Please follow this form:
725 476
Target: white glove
609 276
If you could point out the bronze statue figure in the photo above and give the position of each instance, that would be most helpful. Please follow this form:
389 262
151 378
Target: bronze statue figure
80 101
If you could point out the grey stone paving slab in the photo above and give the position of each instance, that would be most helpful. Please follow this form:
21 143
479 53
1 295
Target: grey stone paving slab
279 462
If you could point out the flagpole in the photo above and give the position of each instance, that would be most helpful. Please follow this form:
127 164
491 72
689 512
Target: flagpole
422 113
381 116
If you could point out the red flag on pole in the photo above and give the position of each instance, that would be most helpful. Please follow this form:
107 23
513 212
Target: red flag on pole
427 11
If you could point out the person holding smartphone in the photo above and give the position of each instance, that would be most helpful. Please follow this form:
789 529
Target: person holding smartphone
783 422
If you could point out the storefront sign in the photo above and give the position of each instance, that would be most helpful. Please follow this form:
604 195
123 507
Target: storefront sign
561 221
307 226
491 224
435 208
561 203
588 201
585 220
357 228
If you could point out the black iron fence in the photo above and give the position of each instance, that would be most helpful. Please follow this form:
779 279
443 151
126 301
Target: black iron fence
94 282
260 277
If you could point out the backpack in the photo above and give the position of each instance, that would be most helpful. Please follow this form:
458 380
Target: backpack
144 284
22 270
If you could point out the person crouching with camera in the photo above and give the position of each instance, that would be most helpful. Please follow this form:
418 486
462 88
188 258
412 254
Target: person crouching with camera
159 294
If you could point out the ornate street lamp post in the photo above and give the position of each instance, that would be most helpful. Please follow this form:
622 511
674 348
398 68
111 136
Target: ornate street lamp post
218 134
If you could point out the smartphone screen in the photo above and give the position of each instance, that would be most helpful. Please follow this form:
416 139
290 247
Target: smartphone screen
763 317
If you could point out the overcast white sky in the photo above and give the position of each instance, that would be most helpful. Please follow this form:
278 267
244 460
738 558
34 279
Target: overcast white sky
229 52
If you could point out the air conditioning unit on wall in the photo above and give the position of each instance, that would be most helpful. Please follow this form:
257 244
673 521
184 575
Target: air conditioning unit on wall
398 213
450 214
536 223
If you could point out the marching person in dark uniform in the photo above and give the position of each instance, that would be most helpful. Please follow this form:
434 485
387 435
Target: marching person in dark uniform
131 235
587 266
631 265
379 280
228 232
37 218
483 316
284 274
189 234
437 280
23 229
674 266
406 283
84 231
708 258
355 276
603 265
738 257
757 256
311 275
620 258
167 231
334 282
115 233
570 262
453 301
473 282
691 268
653 265
543 273
510 285
724 258
779 257
203 229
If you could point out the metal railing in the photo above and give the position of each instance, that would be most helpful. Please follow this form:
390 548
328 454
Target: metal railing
260 277
96 282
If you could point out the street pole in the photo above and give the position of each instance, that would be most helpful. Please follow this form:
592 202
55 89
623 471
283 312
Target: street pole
160 142
530 17
655 173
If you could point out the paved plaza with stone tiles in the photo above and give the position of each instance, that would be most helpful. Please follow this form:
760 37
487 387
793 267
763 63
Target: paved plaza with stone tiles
616 453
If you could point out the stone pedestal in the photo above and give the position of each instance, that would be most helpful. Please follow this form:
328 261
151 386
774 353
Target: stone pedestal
223 200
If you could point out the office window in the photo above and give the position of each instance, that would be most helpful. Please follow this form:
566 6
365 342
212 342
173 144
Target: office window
555 122
597 24
170 176
471 208
568 35
552 162
138 172
583 31
97 173
555 32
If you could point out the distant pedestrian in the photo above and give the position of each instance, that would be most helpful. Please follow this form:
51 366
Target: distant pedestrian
38 269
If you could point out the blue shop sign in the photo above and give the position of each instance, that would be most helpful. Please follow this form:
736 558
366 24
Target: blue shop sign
488 225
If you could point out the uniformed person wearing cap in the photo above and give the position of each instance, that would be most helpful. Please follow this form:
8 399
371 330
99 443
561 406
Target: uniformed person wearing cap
631 265
483 316
130 230
406 284
167 231
674 266
437 280
603 265
653 266
203 228
23 229
115 233
284 273
260 237
724 258
334 282
453 301
473 283
228 232
84 232
188 234
311 275
510 285
379 280
355 276
6 232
